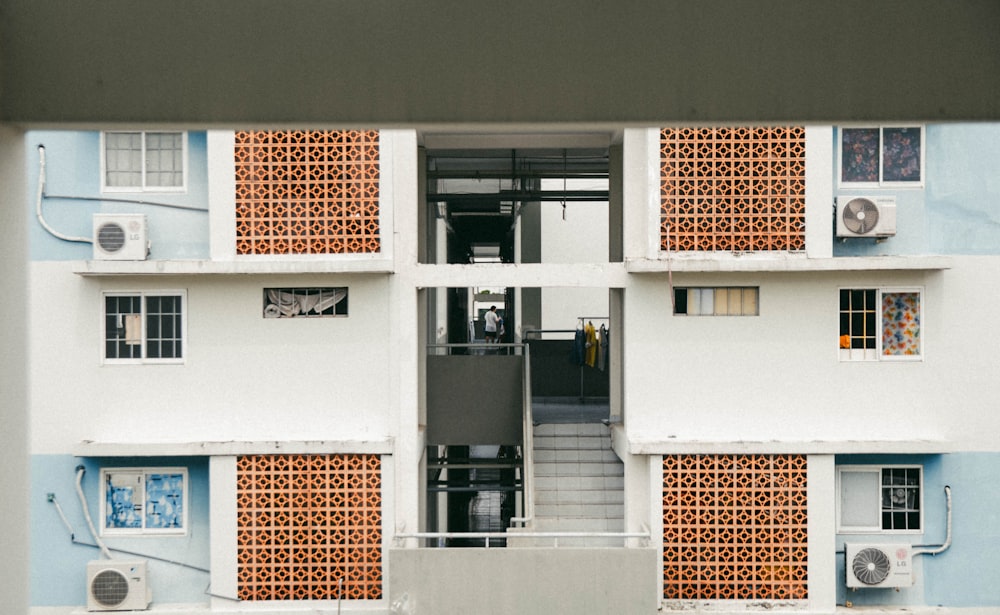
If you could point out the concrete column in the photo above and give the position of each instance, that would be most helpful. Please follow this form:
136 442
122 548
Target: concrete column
400 210
819 191
14 454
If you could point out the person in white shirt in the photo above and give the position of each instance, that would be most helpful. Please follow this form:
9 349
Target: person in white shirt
491 319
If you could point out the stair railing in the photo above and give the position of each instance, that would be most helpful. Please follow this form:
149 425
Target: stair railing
527 449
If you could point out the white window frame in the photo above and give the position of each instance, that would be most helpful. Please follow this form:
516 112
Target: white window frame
876 498
875 354
143 187
706 301
881 183
144 340
141 476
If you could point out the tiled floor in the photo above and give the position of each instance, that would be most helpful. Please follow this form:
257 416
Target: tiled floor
579 481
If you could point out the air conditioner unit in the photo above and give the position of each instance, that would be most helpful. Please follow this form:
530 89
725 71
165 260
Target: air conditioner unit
879 565
117 585
122 237
866 216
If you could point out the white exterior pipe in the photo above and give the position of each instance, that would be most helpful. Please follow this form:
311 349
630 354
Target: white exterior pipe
947 539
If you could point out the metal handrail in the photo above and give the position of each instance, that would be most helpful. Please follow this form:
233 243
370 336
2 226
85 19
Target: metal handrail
528 449
487 536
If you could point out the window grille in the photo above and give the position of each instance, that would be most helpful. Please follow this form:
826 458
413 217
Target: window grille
313 302
875 499
144 327
879 324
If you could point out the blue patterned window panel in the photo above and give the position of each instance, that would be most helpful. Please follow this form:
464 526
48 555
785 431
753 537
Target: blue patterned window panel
144 501
165 501
123 500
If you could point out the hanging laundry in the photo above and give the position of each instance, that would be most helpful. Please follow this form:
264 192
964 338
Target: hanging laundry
602 347
133 329
579 347
591 335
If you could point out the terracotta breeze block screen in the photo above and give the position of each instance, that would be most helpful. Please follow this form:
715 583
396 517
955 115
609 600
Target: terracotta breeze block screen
307 192
734 527
308 525
733 189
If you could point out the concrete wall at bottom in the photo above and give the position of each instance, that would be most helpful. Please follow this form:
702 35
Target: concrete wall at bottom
524 581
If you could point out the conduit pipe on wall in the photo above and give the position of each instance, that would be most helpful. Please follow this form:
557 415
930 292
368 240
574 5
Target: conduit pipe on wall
38 203
73 539
80 470
947 539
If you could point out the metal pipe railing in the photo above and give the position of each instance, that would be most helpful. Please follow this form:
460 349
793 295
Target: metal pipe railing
487 536
527 449
478 346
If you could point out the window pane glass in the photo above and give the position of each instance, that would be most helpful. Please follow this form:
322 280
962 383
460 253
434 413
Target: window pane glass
721 301
680 301
858 327
122 327
859 154
123 159
859 499
164 159
735 302
707 301
901 154
750 307
164 501
123 500
901 324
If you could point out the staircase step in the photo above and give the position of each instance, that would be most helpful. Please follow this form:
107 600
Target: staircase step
579 480
575 468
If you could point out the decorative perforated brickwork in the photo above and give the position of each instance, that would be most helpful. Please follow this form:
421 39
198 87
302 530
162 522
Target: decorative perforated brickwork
307 192
739 189
308 524
734 527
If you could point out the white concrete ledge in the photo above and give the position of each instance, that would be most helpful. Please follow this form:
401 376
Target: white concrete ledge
757 447
760 262
283 266
89 448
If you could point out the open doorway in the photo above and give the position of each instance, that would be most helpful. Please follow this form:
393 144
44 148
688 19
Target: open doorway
494 206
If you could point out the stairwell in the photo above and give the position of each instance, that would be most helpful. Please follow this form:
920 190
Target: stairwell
579 482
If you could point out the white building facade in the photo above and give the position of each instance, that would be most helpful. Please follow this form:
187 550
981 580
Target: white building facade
786 394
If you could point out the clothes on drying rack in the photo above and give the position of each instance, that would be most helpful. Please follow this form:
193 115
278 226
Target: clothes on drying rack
602 345
590 334
579 347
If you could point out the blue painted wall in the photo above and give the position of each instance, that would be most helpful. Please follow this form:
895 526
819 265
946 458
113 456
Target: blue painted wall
966 574
59 566
73 169
957 211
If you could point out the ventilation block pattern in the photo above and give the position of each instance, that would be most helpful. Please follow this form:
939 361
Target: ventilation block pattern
734 527
307 192
309 527
737 189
